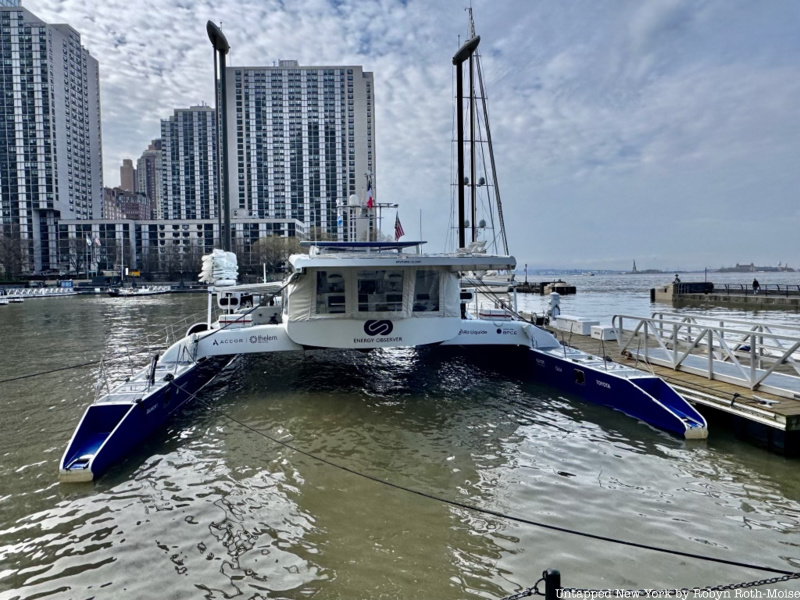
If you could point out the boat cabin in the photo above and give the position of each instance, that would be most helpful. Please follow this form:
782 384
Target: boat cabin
372 294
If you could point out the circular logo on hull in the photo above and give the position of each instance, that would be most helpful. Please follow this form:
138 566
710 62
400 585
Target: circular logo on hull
378 327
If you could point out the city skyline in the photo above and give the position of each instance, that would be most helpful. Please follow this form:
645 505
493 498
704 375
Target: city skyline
665 131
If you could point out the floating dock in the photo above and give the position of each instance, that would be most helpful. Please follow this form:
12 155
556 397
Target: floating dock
761 417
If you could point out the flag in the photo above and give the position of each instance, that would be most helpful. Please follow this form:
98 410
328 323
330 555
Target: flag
370 203
97 241
88 241
339 220
398 229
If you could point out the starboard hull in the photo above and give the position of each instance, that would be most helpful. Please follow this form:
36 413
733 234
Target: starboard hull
647 398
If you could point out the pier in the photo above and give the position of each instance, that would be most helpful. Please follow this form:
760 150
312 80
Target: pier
740 295
753 388
545 287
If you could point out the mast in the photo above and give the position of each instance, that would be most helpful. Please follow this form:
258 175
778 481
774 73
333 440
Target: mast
221 48
489 142
473 189
463 54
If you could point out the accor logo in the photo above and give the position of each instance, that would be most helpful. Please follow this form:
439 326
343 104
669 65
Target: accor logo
373 327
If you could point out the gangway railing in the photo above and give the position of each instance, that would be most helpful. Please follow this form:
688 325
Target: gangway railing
730 350
768 348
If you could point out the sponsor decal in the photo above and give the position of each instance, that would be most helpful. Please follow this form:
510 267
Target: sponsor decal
540 362
262 339
501 331
559 369
381 340
231 341
603 384
151 409
373 327
472 332
408 262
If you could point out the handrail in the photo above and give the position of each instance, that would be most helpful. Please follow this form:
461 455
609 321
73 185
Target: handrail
680 336
764 289
767 325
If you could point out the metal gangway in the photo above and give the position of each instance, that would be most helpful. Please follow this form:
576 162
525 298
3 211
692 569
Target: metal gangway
756 355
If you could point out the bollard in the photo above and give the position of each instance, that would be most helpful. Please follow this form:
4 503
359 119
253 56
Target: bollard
552 584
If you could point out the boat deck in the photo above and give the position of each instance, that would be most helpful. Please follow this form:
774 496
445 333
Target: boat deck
139 385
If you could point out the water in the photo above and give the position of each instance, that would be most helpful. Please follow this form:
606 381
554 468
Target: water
210 507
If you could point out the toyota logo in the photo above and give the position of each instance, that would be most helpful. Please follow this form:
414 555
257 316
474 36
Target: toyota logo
378 327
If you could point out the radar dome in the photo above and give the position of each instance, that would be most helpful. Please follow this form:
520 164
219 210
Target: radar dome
353 200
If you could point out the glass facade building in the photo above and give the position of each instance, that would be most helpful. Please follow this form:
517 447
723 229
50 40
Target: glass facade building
50 139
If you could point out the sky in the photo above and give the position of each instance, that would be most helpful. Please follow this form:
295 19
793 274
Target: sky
661 131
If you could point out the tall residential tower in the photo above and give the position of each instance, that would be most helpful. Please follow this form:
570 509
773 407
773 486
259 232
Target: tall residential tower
300 140
188 164
50 140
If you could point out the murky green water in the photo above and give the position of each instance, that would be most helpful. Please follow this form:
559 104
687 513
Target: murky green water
210 508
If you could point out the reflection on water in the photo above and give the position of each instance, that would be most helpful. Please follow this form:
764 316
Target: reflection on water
210 508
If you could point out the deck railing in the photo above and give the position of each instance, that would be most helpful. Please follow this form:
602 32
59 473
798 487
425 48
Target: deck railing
765 289
754 350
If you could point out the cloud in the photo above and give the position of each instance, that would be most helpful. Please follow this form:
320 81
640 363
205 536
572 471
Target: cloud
605 116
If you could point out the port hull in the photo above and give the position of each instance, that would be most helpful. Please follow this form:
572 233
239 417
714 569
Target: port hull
109 430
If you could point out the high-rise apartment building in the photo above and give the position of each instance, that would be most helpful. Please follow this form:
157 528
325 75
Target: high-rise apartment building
148 174
300 141
50 139
188 164
127 176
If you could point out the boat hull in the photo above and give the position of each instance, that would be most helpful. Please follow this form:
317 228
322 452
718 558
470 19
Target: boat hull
110 431
647 398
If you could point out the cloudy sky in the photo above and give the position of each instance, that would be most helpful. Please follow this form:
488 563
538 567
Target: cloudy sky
665 131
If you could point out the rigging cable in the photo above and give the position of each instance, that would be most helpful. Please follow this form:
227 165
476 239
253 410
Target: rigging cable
478 509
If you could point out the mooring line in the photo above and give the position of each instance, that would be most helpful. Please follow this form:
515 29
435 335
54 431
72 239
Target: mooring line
39 374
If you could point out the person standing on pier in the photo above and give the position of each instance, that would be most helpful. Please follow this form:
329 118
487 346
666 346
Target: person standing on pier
756 286
677 279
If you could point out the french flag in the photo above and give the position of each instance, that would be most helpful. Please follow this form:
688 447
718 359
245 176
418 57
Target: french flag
370 202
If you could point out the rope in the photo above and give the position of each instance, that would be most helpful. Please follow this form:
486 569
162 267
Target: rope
40 373
485 511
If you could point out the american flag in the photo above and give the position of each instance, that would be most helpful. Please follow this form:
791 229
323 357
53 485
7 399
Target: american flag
398 228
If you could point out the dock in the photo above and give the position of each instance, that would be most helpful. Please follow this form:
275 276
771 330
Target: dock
764 418
776 296
545 287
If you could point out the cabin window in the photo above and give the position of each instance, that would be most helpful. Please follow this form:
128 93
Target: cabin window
380 290
330 293
426 291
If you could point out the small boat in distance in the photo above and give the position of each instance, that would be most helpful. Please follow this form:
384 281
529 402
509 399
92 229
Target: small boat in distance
138 291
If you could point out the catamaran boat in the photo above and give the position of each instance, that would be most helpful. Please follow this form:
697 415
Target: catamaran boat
365 295
355 296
